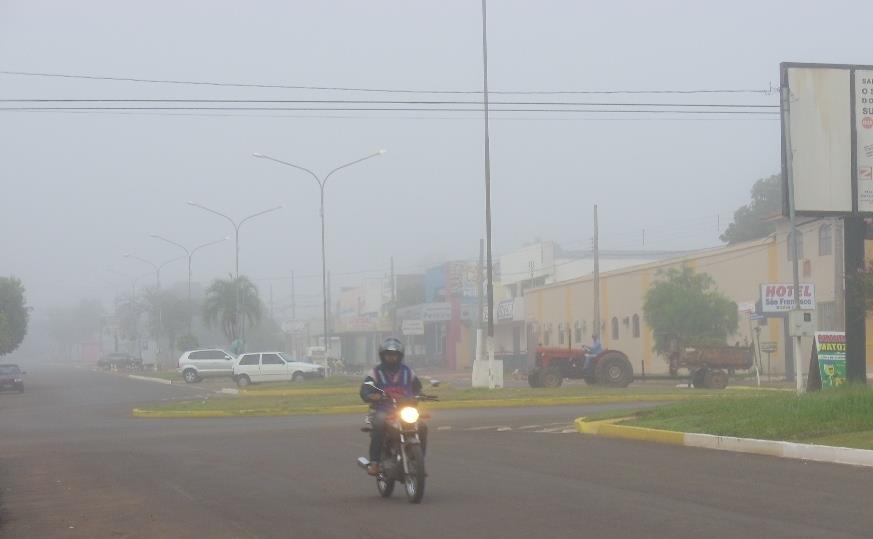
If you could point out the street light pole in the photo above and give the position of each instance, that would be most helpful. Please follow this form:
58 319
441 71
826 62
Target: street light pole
322 183
190 254
236 226
157 268
490 268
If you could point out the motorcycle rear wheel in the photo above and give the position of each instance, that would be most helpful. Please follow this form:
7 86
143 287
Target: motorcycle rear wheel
414 480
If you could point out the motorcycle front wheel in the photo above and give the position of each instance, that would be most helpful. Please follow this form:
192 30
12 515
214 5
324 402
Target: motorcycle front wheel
414 480
385 486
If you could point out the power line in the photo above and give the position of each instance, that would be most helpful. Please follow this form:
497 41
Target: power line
768 91
390 102
395 109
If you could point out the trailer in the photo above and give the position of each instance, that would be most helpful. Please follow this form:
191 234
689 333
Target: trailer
709 366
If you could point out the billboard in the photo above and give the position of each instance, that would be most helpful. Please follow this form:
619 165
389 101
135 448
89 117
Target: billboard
827 137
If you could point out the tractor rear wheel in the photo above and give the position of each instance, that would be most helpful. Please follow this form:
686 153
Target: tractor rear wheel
551 377
715 380
533 378
613 369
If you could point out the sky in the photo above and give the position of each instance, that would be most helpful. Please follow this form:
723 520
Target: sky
77 190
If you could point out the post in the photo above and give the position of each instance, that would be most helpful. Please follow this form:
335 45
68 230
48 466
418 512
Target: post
293 317
324 285
490 290
856 339
798 367
393 299
595 331
190 309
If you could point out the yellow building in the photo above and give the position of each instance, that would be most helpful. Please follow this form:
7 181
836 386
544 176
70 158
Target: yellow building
561 314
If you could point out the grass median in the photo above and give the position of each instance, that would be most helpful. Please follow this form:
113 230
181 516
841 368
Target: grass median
315 399
840 417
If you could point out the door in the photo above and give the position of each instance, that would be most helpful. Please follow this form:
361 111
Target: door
273 368
220 362
250 365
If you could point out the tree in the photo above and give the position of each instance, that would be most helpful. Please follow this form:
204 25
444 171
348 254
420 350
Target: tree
69 326
686 305
14 314
220 305
167 315
753 221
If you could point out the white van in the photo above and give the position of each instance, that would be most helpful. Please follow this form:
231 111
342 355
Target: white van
272 367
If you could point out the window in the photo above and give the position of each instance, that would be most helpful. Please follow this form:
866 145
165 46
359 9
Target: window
249 359
561 334
615 328
790 249
271 359
636 327
547 337
825 240
578 332
203 354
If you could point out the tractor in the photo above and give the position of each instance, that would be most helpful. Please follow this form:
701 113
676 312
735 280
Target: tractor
608 368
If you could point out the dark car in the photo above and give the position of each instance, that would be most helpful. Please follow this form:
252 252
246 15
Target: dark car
119 360
11 377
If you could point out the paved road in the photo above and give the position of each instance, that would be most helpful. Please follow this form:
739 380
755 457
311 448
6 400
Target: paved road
73 464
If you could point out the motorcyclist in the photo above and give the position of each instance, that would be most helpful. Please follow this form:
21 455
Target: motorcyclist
397 380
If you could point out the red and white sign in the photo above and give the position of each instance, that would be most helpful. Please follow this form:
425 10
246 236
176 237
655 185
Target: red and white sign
779 297
865 173
867 122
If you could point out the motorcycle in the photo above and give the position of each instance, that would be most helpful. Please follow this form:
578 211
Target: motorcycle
402 454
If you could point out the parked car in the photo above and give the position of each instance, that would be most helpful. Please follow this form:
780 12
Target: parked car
198 364
119 360
273 367
11 377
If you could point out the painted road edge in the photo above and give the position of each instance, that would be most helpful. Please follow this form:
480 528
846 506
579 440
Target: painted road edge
150 379
791 450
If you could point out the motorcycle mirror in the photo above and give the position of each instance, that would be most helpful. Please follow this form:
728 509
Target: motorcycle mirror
434 382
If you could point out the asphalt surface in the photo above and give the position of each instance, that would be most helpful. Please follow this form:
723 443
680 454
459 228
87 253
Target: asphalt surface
74 464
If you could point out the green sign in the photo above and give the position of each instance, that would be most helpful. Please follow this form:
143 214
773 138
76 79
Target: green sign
830 348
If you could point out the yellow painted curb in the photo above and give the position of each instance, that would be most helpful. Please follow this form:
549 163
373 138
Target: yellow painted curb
611 429
442 405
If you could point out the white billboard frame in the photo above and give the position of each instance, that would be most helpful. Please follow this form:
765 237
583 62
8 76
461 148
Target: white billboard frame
821 114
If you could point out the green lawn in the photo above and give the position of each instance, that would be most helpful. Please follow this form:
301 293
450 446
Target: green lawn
841 416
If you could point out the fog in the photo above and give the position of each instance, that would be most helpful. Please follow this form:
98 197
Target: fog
80 189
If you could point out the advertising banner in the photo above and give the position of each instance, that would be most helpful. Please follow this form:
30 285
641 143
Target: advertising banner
830 349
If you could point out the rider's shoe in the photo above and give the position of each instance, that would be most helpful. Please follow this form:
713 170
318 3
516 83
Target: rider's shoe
373 468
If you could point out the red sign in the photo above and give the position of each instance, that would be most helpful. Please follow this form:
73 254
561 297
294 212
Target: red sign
865 173
867 122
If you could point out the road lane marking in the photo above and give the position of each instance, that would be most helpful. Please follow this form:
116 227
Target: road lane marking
529 427
445 427
504 429
484 428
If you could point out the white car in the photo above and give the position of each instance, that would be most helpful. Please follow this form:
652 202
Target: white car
198 364
273 367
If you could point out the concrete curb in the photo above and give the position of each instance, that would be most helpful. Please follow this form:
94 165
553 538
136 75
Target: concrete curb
791 450
150 379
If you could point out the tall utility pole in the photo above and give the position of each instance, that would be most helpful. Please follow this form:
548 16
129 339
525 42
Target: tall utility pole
595 326
293 317
490 314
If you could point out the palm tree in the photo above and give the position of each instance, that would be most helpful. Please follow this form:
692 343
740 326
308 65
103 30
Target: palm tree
222 298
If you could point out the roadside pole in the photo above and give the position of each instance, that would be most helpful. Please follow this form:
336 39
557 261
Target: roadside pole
595 326
794 244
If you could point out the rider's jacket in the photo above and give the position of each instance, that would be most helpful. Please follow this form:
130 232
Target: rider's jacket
399 382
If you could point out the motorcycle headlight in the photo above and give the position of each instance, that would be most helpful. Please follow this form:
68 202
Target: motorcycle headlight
409 414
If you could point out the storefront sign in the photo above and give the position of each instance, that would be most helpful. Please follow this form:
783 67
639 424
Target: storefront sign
779 297
505 310
412 327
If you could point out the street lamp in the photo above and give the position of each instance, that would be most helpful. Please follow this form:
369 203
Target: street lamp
190 254
321 185
236 227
